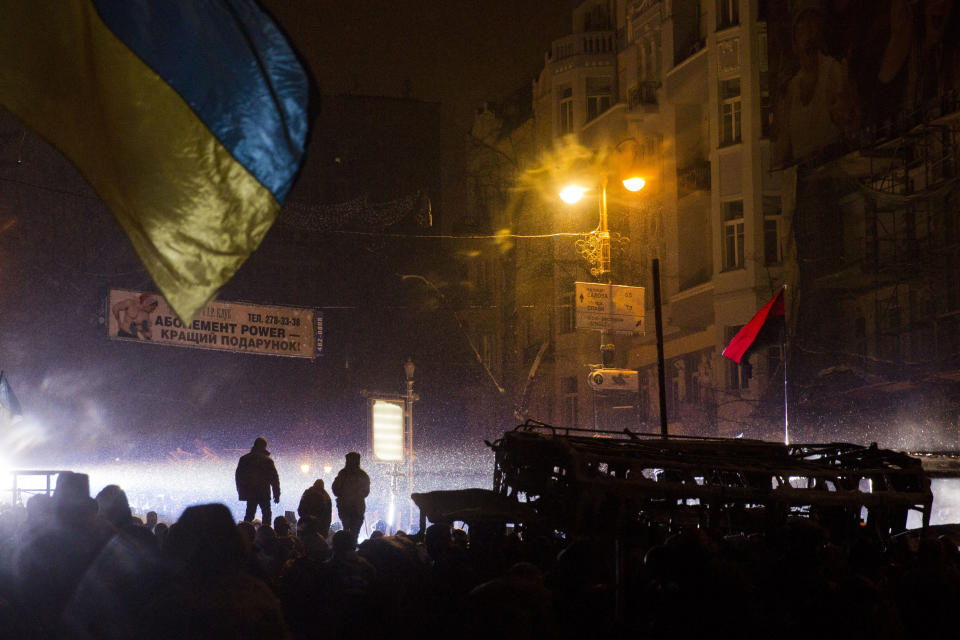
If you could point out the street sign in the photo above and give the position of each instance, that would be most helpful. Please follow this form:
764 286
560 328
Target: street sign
610 307
613 380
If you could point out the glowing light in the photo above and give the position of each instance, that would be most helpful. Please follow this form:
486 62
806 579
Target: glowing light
634 183
391 512
387 431
571 194
327 469
304 468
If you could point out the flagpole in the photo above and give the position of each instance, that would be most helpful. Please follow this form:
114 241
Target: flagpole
783 356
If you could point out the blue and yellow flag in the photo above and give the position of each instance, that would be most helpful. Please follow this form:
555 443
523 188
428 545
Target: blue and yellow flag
8 400
187 116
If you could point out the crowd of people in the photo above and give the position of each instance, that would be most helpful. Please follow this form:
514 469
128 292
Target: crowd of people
72 566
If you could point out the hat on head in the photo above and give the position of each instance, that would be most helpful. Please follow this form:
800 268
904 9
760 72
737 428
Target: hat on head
73 493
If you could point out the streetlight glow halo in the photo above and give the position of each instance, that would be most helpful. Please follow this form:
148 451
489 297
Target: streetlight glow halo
571 194
634 183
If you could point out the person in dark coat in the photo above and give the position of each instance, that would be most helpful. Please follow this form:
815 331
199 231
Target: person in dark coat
256 475
316 502
351 487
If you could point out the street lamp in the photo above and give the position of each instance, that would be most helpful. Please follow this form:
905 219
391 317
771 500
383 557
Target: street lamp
595 248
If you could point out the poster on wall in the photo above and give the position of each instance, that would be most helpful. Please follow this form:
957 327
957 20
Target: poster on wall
846 74
225 326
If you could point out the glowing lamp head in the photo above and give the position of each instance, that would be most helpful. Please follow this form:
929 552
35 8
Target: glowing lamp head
304 468
327 468
634 183
571 194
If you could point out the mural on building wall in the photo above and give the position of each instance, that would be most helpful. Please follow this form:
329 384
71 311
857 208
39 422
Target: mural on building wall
847 73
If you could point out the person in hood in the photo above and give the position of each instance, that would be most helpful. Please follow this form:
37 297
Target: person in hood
256 475
316 502
351 487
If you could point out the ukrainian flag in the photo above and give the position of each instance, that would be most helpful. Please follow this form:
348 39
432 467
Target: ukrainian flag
187 116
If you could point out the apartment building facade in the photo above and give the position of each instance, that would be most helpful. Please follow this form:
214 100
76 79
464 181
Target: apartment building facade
702 96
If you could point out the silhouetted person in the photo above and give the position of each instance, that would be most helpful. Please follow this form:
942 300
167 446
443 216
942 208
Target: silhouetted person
55 558
255 476
112 505
209 592
316 502
351 487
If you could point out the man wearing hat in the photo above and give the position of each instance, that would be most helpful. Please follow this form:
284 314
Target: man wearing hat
351 487
256 475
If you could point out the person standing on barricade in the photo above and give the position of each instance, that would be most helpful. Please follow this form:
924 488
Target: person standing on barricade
351 487
256 475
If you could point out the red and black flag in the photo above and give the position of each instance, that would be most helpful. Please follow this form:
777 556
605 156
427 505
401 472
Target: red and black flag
765 329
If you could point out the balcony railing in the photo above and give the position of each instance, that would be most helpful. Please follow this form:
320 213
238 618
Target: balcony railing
589 43
695 177
643 94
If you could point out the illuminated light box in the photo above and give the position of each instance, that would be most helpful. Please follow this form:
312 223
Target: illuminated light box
387 427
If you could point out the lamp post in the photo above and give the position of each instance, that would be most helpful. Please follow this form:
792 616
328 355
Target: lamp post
595 246
658 316
409 398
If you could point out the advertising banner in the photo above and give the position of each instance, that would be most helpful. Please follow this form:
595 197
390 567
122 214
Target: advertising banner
225 326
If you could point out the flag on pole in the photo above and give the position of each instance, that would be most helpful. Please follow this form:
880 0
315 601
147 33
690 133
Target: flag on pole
764 329
187 117
8 401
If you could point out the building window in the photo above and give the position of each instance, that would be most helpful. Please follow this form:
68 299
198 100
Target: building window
763 10
737 377
732 235
772 246
650 53
599 96
567 313
728 14
766 107
570 396
730 116
566 110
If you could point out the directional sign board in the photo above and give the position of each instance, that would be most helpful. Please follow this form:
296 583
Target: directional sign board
610 307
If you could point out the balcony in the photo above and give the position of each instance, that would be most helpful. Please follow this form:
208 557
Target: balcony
694 177
642 95
587 43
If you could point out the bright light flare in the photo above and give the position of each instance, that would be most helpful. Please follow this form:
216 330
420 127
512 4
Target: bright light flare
634 183
572 194
304 468
327 469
